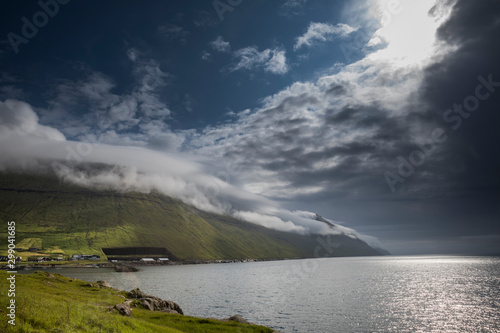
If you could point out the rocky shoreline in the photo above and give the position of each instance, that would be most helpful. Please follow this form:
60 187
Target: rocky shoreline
136 298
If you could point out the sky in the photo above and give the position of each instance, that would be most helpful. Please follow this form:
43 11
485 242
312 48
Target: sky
381 116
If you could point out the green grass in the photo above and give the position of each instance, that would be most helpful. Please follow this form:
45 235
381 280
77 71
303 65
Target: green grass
54 250
61 304
30 242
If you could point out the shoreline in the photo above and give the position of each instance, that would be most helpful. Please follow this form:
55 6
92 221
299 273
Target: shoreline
138 263
80 305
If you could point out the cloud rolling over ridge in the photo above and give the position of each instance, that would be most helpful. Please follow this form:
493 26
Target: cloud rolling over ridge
31 147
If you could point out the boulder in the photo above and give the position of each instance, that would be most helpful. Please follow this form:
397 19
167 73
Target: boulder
124 308
103 283
137 294
146 302
153 303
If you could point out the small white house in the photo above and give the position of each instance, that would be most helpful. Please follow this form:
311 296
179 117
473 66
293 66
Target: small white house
147 260
163 259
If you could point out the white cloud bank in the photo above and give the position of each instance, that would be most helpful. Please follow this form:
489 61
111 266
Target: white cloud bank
18 119
25 145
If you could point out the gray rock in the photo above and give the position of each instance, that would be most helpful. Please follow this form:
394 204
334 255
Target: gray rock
138 294
153 303
103 283
146 302
124 308
158 304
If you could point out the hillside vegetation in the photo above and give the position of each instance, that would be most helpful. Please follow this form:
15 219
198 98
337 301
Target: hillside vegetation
66 219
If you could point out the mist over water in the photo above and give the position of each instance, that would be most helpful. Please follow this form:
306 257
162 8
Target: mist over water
364 294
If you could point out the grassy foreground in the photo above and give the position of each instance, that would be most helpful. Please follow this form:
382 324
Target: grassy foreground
54 303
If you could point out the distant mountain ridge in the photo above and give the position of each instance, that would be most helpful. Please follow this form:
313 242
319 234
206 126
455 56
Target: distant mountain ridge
69 219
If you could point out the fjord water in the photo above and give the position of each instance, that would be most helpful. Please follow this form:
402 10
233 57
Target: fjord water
364 294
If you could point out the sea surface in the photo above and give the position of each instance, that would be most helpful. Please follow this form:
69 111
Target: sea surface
363 294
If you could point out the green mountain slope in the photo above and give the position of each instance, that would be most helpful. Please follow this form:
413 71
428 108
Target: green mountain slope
63 218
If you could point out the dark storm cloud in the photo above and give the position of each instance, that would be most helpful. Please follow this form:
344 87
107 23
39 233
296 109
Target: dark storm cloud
333 140
475 143
469 162
471 150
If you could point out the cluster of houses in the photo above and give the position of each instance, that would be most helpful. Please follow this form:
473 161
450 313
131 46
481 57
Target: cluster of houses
44 259
33 259
85 257
59 258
